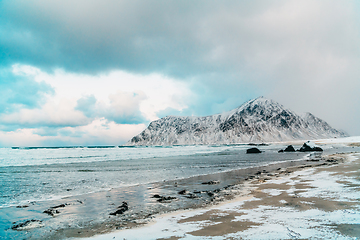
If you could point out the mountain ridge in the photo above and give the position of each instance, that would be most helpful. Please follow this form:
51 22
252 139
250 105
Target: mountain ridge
257 120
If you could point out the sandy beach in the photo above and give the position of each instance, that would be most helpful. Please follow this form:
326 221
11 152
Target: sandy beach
285 196
317 200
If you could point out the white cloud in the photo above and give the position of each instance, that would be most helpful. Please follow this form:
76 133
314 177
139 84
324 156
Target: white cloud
55 114
85 109
98 132
154 92
20 137
105 132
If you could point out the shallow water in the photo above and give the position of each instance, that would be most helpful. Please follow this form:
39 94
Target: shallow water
41 178
45 174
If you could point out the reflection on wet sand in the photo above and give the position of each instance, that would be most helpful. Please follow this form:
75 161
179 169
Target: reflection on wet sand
91 214
313 200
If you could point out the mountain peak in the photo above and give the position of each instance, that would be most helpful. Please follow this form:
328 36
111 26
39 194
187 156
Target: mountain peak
264 101
257 120
261 106
261 101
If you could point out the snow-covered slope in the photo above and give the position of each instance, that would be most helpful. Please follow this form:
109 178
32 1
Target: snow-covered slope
258 120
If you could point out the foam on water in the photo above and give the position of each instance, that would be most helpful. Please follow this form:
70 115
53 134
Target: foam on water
40 174
274 222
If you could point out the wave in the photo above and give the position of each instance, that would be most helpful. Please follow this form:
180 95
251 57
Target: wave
62 147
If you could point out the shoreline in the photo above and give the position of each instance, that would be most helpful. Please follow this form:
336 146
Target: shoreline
89 215
221 219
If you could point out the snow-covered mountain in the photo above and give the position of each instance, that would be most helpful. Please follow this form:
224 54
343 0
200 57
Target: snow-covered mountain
258 120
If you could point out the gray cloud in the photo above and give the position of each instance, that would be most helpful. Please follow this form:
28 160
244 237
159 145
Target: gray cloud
305 54
19 92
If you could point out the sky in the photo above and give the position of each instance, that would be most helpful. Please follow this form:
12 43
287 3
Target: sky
92 72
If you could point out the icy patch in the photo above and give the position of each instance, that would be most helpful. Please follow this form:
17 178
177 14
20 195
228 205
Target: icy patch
344 140
306 202
285 222
270 222
273 192
281 180
325 185
353 157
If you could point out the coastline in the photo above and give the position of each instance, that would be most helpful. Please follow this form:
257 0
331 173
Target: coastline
260 206
91 215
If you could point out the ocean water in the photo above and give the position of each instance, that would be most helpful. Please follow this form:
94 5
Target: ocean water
40 174
92 181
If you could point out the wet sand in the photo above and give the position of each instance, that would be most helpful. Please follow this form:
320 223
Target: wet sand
317 198
103 212
91 214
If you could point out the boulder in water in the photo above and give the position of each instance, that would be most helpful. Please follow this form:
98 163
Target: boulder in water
289 148
309 147
253 150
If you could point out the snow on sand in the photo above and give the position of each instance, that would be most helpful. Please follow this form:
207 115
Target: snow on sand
319 202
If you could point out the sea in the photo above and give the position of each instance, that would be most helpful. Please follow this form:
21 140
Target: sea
41 176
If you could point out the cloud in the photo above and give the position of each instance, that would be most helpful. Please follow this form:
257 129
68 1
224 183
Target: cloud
304 54
87 105
123 107
51 114
78 99
83 107
98 132
18 92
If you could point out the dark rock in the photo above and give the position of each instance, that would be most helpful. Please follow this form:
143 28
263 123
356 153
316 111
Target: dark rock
23 206
289 148
121 209
318 149
331 160
182 192
210 193
313 160
59 206
229 186
53 210
24 224
307 148
165 199
253 150
211 182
